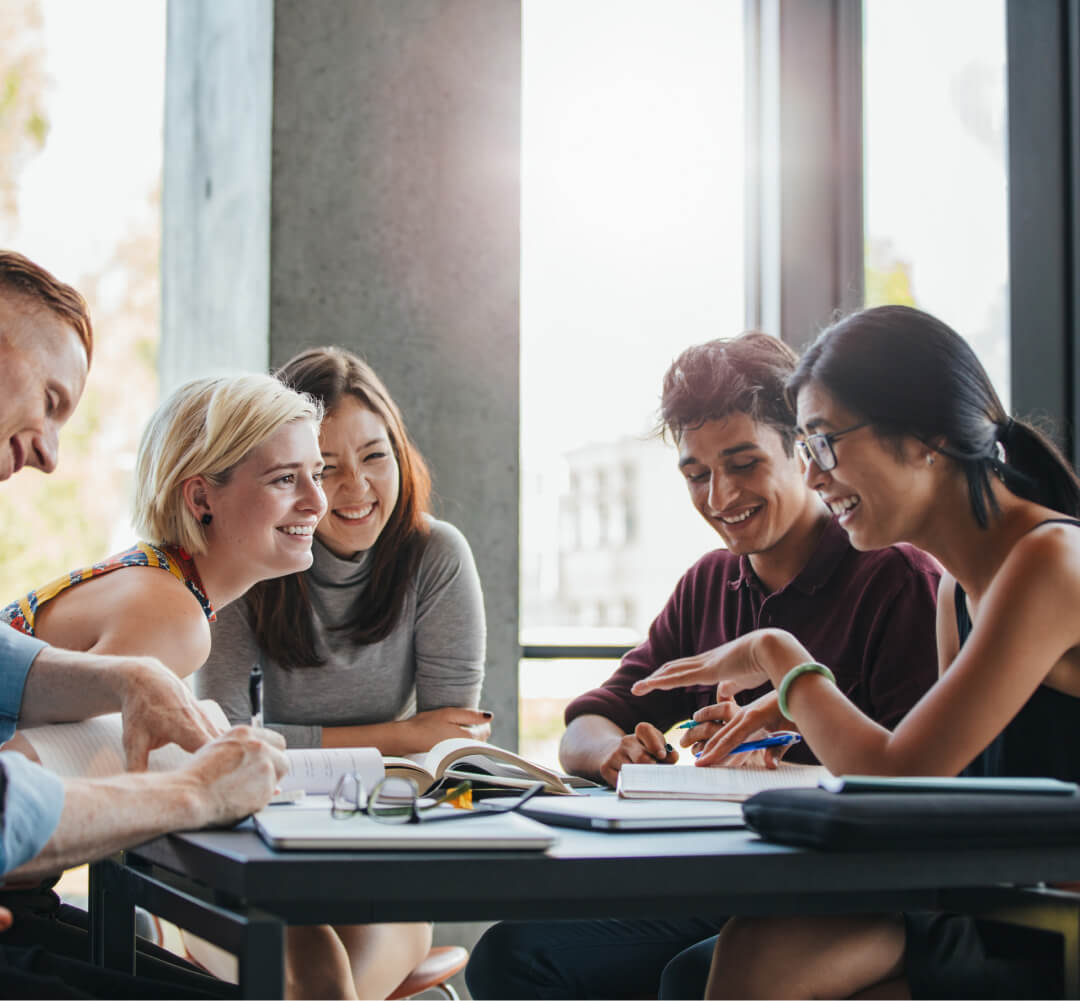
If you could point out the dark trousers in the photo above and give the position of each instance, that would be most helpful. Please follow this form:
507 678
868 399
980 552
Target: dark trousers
46 954
592 959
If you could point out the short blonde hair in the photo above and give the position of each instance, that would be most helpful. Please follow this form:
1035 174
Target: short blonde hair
206 428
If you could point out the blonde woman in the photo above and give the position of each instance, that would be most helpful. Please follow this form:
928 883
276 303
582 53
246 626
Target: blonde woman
228 494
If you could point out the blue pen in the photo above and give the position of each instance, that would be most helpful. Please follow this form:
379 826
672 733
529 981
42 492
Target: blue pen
783 739
773 740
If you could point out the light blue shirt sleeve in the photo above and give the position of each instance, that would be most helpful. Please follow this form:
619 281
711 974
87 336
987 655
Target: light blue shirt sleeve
31 810
17 653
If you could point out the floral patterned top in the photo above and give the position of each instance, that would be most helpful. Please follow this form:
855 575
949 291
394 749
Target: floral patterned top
21 613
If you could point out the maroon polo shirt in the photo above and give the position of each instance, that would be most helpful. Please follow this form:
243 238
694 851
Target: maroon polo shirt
869 616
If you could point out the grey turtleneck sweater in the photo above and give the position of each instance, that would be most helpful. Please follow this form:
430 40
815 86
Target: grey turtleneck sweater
433 658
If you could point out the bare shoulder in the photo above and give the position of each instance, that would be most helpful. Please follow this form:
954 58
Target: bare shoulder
152 613
1038 583
1049 552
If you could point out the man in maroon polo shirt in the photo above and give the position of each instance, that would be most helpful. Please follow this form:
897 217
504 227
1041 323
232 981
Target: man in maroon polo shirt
869 615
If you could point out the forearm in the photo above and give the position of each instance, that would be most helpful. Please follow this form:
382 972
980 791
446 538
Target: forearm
65 685
391 738
587 744
840 735
102 816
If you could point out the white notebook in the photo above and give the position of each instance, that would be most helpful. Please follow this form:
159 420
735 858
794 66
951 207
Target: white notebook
735 784
605 812
297 828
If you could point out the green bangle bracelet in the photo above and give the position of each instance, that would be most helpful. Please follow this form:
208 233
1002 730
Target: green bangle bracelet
810 667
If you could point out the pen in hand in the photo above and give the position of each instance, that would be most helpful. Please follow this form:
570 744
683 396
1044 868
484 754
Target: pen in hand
783 738
255 692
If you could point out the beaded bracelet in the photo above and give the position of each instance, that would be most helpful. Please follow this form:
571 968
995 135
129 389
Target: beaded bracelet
810 667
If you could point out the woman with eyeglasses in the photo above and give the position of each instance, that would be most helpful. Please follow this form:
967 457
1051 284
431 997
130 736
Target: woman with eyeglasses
906 440
380 643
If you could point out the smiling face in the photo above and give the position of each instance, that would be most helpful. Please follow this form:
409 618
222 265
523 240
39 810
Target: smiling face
361 478
43 369
268 510
746 486
880 493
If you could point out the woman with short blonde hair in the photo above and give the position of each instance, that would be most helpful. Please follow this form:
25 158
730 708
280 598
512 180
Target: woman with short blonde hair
205 429
228 494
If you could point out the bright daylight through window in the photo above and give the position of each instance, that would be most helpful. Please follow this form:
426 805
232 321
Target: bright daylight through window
936 174
632 243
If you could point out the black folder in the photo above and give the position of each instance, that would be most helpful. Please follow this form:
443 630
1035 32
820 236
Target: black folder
817 818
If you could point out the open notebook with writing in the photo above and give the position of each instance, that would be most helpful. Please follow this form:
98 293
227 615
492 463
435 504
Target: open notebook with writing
734 784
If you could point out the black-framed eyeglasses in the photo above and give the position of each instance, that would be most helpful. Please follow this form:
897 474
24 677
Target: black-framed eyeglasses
819 447
395 800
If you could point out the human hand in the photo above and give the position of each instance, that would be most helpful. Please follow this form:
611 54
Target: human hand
158 709
236 774
426 729
645 746
726 724
7 919
732 667
750 722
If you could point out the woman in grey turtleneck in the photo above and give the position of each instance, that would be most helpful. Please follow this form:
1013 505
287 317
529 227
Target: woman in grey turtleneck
380 644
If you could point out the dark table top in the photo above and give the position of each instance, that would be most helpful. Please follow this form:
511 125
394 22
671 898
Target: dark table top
587 875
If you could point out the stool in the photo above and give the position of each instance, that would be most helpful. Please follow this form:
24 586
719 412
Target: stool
433 972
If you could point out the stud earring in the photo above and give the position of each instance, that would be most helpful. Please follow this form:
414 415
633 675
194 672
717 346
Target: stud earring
207 518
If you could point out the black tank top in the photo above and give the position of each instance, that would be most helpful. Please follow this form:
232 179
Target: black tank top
1044 736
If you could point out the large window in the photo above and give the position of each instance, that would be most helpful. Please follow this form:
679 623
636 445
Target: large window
632 237
82 117
936 166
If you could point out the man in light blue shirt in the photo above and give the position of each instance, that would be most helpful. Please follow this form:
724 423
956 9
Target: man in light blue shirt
32 812
46 824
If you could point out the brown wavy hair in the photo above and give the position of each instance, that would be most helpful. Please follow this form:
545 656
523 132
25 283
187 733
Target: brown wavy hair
280 609
744 374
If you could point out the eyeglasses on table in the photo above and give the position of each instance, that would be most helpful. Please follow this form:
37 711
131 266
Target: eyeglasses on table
394 800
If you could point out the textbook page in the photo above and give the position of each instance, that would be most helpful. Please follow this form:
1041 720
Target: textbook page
462 758
734 784
316 770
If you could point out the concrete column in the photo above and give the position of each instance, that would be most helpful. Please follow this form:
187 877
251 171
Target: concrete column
215 246
375 206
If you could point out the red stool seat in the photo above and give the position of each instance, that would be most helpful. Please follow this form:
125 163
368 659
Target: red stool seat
438 966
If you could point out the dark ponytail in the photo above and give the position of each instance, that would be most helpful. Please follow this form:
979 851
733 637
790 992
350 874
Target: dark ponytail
1035 469
908 373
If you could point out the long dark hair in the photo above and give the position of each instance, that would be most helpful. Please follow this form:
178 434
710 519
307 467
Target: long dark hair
908 373
280 609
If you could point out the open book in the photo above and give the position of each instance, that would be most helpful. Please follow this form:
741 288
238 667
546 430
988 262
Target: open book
461 758
735 784
93 748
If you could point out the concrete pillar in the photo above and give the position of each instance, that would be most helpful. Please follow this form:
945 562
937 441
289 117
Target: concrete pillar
347 172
